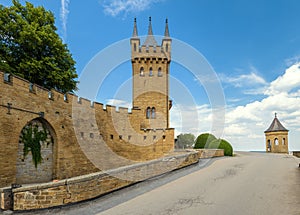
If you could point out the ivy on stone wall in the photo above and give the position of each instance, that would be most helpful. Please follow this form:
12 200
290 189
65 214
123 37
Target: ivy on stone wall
32 138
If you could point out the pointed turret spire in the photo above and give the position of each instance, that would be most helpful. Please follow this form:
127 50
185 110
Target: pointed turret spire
276 125
167 34
150 40
150 27
135 33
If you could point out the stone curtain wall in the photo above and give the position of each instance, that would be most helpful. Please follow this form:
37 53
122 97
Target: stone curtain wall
113 133
95 184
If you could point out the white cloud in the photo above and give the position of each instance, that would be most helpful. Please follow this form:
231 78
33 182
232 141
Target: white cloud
292 60
245 125
117 7
251 83
287 82
118 103
245 79
64 11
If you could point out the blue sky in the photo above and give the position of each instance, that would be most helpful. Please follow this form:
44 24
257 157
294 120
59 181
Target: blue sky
251 45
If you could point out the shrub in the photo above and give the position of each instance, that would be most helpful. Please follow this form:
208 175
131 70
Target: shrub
221 144
203 140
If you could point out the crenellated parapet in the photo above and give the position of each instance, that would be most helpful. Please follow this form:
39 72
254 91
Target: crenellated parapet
150 48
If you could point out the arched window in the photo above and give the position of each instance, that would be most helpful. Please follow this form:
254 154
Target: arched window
159 72
269 145
167 47
142 71
276 142
283 141
148 112
153 114
150 72
134 47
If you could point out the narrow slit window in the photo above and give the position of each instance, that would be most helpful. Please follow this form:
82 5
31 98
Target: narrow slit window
153 113
142 71
150 72
159 72
148 113
7 77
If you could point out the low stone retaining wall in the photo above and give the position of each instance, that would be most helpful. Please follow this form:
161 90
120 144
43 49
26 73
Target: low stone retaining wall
210 153
89 186
296 154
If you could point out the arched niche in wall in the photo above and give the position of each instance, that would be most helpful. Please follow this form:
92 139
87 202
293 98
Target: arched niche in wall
32 169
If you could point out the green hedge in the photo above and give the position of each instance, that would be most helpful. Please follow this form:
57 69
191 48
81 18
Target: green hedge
209 141
203 140
221 144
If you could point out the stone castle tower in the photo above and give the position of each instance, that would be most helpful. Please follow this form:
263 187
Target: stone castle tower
276 137
150 75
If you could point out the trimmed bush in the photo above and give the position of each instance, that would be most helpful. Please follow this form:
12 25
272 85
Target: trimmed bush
203 140
221 144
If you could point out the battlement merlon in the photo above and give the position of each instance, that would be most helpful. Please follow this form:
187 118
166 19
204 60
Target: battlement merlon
151 52
150 48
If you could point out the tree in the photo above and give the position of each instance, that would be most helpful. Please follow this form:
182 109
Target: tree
185 140
203 140
31 48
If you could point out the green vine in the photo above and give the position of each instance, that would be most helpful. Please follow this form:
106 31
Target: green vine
31 139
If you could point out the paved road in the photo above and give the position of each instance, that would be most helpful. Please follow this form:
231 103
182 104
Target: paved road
250 183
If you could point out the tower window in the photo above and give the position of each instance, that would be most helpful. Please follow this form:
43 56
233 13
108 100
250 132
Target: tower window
142 71
153 114
283 141
50 95
7 77
31 87
134 47
159 72
167 47
276 142
150 72
148 112
269 146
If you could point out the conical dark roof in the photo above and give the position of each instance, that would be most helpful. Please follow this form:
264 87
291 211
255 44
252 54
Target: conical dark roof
276 126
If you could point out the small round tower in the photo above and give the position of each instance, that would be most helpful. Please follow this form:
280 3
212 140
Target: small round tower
276 137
